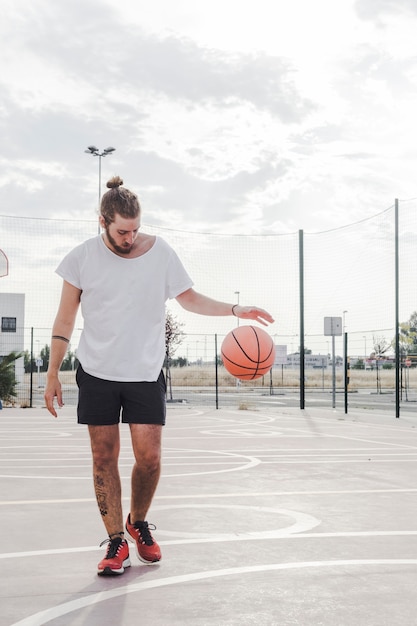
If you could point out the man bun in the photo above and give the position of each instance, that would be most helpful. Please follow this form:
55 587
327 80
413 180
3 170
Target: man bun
114 182
118 200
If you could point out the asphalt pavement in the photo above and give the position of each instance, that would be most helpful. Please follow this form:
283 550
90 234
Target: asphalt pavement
273 516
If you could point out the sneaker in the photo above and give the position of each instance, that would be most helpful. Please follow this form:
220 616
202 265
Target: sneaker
147 549
116 559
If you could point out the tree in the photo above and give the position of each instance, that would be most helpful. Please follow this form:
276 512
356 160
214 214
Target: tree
8 380
180 361
29 365
173 338
408 336
44 355
381 346
70 362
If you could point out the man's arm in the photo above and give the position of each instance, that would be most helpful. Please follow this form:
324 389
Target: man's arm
61 334
196 302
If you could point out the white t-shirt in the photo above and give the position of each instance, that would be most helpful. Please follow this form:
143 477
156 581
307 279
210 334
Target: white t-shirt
123 306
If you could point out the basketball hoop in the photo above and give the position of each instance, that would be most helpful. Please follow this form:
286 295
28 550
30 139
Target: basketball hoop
4 264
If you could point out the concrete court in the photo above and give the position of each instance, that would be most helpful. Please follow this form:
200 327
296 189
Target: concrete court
273 517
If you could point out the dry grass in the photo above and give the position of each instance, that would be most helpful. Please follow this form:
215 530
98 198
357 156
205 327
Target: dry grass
204 376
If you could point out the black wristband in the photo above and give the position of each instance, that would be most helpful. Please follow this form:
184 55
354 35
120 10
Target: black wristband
233 309
61 338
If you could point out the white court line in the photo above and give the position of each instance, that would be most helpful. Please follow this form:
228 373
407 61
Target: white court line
225 458
184 460
252 463
302 522
222 471
333 460
58 501
25 436
38 619
311 434
201 461
37 477
245 495
56 466
219 457
215 539
169 453
390 443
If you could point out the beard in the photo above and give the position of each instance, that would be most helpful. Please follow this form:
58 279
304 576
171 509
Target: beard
125 249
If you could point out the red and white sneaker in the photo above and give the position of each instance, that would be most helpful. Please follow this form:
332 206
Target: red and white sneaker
116 559
147 549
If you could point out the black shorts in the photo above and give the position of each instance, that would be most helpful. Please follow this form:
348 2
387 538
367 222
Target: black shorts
103 402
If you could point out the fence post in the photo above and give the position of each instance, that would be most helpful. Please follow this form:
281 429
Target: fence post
216 370
31 369
346 368
397 318
301 294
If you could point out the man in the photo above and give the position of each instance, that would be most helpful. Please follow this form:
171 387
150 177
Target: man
122 280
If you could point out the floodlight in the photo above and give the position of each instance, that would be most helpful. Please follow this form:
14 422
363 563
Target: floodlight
93 150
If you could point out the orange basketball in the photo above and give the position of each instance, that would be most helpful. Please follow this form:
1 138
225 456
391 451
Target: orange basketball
248 352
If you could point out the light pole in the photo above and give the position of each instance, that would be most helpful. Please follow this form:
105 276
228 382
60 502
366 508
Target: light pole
364 363
96 152
238 294
39 363
345 363
344 341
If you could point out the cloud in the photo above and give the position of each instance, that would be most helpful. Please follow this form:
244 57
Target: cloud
212 203
73 61
198 123
197 75
254 134
371 9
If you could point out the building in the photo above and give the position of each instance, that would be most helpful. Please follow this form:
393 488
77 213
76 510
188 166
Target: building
12 330
315 361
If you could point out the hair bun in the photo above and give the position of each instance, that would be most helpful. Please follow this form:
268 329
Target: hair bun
114 182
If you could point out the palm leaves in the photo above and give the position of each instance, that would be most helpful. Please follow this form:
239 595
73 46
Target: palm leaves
8 380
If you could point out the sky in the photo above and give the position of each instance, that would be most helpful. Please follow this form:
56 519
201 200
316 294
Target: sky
231 116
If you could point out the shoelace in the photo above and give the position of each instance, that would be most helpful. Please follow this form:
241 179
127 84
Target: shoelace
113 547
144 530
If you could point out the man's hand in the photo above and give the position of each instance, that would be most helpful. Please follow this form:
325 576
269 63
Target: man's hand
196 302
53 390
253 313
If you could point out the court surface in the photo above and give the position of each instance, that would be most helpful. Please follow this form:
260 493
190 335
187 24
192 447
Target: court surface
269 517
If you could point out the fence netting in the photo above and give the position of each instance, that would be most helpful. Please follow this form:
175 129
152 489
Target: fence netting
349 272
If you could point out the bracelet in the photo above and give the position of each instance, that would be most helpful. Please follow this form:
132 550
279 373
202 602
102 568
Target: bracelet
233 309
61 338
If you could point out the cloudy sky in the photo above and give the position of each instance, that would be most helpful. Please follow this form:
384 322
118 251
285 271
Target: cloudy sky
231 116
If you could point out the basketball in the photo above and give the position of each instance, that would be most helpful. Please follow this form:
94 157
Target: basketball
248 352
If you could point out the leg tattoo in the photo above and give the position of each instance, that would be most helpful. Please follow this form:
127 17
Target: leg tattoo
101 494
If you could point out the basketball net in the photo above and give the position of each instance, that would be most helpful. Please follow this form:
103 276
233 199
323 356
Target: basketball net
4 264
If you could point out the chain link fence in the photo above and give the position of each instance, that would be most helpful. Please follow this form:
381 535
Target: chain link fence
349 272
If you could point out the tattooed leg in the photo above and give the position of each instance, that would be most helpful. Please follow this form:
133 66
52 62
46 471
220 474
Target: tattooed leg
105 446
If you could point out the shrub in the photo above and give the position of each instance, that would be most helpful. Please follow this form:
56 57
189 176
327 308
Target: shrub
8 380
